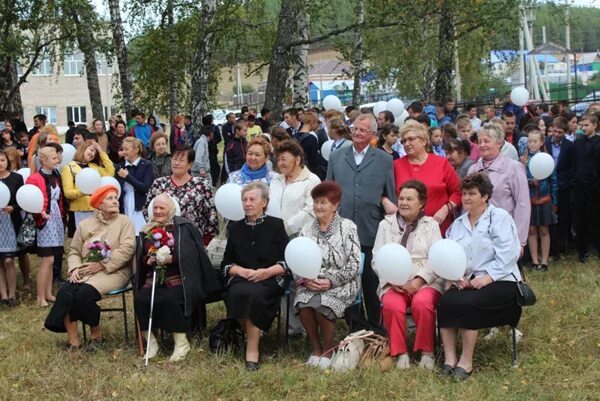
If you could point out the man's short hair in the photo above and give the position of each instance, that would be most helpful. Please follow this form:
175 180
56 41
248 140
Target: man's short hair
424 119
264 111
543 107
507 114
561 123
187 116
554 109
41 117
349 109
470 106
590 117
416 107
292 112
388 115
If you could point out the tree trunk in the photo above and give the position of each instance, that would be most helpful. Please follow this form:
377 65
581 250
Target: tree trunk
300 61
280 58
87 45
202 62
172 73
122 58
443 81
358 54
10 93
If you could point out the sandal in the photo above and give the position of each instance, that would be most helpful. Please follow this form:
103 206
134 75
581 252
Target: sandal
94 345
447 370
72 348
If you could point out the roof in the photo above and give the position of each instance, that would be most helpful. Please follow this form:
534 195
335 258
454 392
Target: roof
505 56
329 67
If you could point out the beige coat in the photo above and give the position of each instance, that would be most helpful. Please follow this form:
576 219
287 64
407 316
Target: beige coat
427 232
120 234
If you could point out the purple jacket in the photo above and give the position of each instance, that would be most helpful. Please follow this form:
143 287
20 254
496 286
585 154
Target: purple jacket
511 191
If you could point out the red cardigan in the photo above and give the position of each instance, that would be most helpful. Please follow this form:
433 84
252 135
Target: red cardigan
440 179
38 180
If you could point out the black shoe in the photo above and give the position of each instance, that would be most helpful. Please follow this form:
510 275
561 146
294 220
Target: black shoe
461 374
543 268
447 370
583 257
251 366
11 303
94 345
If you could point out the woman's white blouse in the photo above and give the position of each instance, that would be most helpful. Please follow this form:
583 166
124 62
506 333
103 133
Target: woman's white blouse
492 246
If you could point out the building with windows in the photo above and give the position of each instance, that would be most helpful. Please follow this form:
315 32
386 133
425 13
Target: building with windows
61 93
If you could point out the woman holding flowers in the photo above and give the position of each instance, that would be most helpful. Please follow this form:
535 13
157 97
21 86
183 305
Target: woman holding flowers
171 246
99 262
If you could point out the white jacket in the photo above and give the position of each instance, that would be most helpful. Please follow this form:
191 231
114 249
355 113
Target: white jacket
293 200
201 162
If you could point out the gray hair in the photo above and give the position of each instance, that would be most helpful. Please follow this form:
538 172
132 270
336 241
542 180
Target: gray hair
262 188
493 131
371 119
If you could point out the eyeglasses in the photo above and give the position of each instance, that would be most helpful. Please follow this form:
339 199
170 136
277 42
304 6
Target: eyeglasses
410 139
361 130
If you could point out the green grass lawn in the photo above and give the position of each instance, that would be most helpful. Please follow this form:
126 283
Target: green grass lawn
559 360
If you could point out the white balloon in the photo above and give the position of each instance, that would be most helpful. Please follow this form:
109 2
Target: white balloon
30 198
541 165
401 119
332 102
151 206
379 107
108 180
25 173
304 257
4 195
326 149
448 259
228 201
396 106
68 153
519 96
88 180
274 209
393 264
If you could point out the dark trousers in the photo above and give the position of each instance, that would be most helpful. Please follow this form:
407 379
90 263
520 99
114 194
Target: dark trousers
355 314
559 233
57 268
215 169
586 215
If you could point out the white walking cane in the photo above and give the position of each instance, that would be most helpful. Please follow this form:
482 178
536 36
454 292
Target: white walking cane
150 322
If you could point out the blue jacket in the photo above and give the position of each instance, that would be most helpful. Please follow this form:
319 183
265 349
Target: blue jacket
565 166
143 132
545 187
140 177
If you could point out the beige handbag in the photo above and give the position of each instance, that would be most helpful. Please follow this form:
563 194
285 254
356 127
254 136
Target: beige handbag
216 247
349 351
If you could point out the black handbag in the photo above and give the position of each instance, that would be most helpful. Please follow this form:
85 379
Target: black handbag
525 296
226 335
27 232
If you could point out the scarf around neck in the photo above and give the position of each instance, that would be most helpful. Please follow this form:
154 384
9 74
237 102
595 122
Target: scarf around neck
409 227
253 175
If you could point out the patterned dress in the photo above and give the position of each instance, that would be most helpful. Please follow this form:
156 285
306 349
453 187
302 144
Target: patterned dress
195 199
53 233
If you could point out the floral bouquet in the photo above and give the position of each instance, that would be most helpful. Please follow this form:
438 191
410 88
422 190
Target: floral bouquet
98 251
161 248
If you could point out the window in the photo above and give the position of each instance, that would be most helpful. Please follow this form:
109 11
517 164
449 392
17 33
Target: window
74 64
113 111
48 111
43 69
76 114
103 67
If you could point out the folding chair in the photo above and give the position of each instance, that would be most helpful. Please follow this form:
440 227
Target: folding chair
123 309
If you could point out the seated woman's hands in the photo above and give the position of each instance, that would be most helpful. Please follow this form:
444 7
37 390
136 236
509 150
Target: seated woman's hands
476 283
410 287
318 285
78 274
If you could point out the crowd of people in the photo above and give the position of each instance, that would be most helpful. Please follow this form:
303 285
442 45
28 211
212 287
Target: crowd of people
439 174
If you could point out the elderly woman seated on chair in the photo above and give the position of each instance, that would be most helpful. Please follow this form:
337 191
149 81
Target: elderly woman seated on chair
254 268
487 295
99 262
320 302
410 228
170 246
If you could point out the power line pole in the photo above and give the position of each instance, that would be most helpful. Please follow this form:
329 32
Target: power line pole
568 46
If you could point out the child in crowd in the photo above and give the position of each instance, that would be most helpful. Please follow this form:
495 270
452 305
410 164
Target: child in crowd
465 132
7 139
543 195
388 136
437 142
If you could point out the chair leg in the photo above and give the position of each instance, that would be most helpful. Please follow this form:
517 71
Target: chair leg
84 332
287 318
125 317
514 346
139 337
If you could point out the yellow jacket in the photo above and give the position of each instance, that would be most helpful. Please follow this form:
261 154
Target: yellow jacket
78 201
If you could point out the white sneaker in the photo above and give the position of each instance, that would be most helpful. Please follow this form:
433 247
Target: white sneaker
313 360
403 362
182 347
427 362
324 362
153 347
493 333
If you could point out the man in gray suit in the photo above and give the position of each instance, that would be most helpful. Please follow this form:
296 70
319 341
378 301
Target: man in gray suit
367 179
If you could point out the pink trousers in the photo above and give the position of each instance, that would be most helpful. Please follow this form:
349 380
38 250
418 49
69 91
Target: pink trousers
422 304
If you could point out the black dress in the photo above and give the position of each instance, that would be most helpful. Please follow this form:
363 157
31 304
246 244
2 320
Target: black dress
255 246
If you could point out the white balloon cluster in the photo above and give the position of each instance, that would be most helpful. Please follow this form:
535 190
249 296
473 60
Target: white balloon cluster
393 264
30 198
448 259
541 165
303 256
88 180
332 102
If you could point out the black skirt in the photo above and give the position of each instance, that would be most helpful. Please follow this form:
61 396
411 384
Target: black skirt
493 305
79 302
169 309
258 302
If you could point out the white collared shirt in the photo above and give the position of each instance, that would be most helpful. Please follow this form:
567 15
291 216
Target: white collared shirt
135 163
491 245
359 156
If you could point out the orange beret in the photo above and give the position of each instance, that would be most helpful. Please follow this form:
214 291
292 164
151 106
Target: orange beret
101 193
